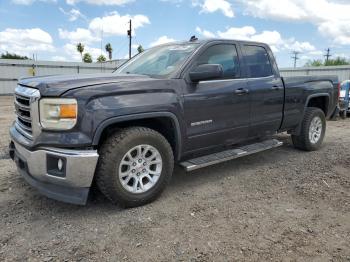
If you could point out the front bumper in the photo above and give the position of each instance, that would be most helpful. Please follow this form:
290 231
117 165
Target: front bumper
72 185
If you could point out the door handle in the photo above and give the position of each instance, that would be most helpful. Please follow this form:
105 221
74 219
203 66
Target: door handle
241 91
276 88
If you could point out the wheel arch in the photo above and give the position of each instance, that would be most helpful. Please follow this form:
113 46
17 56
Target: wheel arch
159 121
320 101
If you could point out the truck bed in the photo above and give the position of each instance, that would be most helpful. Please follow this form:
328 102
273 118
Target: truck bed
298 89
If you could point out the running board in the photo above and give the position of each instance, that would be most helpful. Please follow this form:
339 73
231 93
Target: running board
230 154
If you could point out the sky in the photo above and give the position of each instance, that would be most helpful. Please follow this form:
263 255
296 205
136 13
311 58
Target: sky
50 29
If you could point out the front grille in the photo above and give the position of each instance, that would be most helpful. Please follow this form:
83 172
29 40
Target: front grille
24 98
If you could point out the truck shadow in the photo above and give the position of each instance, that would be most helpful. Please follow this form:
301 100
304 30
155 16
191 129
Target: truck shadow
186 181
181 182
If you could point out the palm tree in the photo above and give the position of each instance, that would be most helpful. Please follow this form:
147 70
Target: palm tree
140 49
101 59
109 50
80 49
87 58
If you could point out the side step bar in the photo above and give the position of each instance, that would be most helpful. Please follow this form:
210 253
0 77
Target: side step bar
230 154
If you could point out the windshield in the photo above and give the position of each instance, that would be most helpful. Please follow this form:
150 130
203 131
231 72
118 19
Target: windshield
160 61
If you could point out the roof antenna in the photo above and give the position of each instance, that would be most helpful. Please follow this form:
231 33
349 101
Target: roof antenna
193 38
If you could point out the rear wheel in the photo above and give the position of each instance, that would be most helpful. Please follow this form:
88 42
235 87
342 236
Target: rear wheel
313 129
135 166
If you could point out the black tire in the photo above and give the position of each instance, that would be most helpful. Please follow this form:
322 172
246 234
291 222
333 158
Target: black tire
112 152
303 141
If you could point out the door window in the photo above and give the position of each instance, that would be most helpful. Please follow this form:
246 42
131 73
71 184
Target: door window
257 60
225 55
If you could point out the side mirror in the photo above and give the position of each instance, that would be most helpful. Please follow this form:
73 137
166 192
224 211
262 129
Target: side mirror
206 72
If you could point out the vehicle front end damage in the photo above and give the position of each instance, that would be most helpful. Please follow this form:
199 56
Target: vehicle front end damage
62 174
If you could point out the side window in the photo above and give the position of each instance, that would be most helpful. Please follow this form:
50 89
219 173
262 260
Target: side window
257 60
223 54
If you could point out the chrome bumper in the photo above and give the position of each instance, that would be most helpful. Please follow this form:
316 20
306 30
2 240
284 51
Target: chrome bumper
78 165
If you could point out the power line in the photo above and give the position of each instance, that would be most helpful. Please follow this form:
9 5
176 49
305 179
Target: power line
295 57
130 37
327 55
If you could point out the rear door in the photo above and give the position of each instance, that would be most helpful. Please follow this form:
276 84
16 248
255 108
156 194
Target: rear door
266 90
217 111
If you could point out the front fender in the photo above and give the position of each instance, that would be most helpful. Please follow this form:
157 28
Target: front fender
141 116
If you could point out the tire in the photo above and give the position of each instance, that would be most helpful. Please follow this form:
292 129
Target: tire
110 167
303 141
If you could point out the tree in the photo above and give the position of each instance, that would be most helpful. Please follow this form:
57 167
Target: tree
80 49
101 59
87 58
8 55
140 49
317 62
336 62
331 62
109 50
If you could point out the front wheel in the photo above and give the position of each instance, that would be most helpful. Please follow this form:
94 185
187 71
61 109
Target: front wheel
135 166
313 129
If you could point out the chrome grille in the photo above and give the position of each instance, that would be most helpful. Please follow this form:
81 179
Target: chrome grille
24 99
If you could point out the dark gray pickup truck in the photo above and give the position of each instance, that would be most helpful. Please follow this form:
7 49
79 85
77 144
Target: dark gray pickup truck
193 103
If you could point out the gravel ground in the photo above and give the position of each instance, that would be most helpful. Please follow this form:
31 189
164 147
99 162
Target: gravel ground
280 205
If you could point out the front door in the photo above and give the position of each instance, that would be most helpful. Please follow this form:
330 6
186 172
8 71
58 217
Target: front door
217 111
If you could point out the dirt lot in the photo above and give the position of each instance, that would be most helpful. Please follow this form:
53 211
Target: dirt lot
282 204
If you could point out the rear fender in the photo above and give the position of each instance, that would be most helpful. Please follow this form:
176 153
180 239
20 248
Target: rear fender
297 130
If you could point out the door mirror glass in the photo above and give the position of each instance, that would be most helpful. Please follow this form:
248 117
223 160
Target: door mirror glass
206 72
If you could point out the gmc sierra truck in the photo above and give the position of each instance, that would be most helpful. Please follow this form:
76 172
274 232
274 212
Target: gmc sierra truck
193 103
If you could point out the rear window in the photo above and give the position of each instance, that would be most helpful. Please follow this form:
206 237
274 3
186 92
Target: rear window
257 61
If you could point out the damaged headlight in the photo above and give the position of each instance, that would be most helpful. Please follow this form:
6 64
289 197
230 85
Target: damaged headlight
58 113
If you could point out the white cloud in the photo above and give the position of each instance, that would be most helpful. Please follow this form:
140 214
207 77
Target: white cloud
25 41
316 53
29 2
172 1
299 46
98 2
305 57
73 14
339 31
331 17
59 58
115 24
205 33
282 9
211 6
242 33
79 35
162 40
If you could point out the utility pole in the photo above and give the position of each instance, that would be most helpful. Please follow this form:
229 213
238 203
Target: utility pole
327 55
130 37
295 57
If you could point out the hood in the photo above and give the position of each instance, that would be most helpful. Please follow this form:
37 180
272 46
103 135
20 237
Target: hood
58 84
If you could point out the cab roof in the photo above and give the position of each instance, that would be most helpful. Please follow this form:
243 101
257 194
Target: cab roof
215 40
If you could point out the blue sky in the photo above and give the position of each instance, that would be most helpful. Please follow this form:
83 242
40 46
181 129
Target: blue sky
51 28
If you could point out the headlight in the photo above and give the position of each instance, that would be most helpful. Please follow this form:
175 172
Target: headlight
58 113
